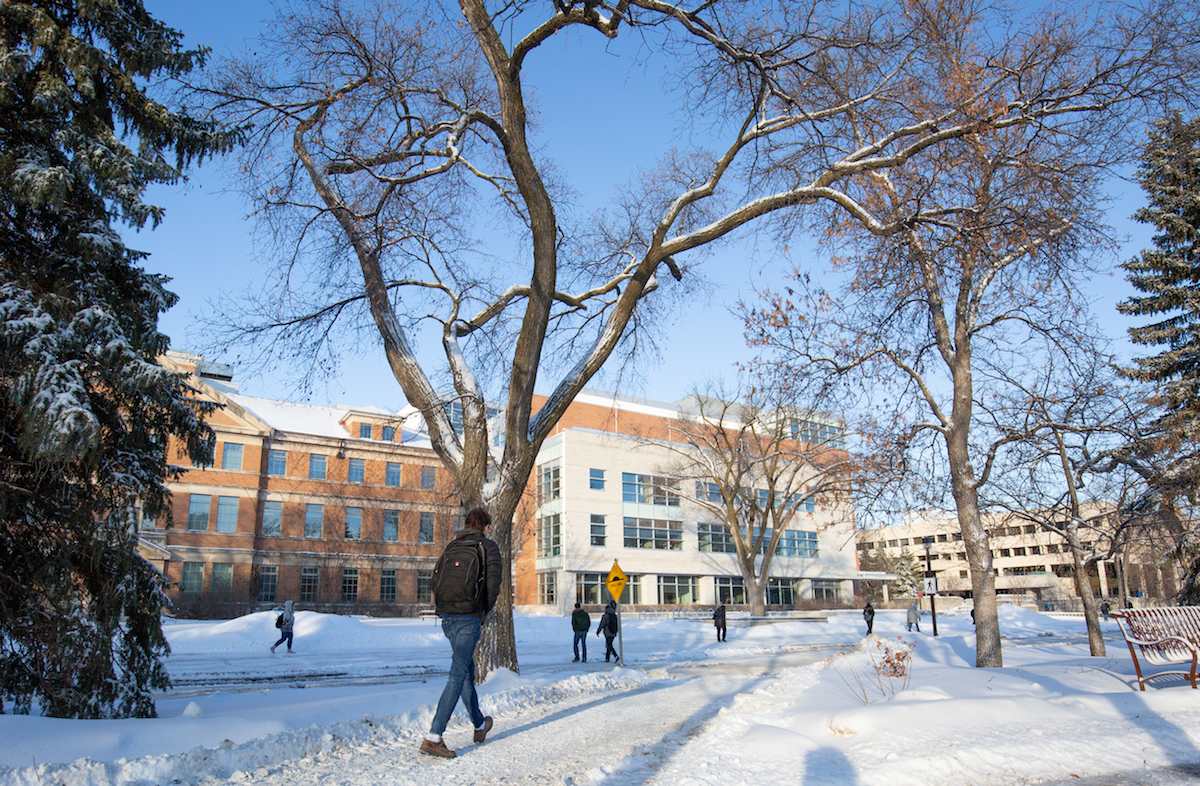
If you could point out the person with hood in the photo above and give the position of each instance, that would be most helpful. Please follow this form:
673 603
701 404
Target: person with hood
466 583
869 616
581 623
914 617
608 626
287 624
719 622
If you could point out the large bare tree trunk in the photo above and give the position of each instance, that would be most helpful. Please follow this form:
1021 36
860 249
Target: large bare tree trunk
1083 586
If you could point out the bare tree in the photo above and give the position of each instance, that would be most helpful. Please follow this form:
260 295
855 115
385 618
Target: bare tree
387 141
976 281
760 460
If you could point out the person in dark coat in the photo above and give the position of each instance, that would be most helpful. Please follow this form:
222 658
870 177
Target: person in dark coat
869 616
287 626
581 623
608 626
462 627
719 621
1105 608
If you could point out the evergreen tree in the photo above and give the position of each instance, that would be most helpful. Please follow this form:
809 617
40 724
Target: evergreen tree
85 412
908 575
1169 275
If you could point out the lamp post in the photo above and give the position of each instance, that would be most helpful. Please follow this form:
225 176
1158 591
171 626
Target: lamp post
930 575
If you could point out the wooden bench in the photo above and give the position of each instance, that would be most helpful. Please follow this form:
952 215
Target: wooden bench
1161 637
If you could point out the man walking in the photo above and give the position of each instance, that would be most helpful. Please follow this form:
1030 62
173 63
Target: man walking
608 626
719 622
466 583
580 624
869 616
913 617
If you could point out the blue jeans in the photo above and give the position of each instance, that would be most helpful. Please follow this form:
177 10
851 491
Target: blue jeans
463 633
285 635
581 638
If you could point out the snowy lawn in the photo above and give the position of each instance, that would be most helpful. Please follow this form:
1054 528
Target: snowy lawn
780 703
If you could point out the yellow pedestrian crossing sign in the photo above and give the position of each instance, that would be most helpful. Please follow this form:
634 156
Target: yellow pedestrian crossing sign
616 582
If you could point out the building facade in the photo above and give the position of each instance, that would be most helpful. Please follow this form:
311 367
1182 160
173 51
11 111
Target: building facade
337 508
1028 559
605 491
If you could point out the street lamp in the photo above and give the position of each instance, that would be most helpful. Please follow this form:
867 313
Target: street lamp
930 582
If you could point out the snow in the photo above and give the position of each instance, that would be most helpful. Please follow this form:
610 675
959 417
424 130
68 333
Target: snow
784 703
313 419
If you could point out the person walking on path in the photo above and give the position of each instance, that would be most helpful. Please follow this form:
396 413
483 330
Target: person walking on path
869 616
466 583
287 624
914 617
1105 608
608 626
719 621
581 623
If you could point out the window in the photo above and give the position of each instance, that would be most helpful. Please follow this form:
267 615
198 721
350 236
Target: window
716 538
198 506
425 532
1019 552
1052 548
781 592
428 478
231 456
822 434
708 491
797 543
222 579
549 484
731 589
349 585
316 467
1029 529
388 434
310 584
357 471
962 574
590 589
227 510
353 523
424 586
547 592
1035 550
1005 552
391 476
677 590
193 577
272 523
650 489
549 536
387 585
826 591
314 521
364 430
596 479
277 462
942 538
653 534
391 525
598 530
268 578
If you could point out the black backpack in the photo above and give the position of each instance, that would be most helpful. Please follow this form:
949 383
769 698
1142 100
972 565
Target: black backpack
279 621
458 578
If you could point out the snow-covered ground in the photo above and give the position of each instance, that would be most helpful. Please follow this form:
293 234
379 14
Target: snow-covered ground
785 703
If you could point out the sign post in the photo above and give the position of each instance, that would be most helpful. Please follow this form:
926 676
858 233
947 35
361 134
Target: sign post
616 586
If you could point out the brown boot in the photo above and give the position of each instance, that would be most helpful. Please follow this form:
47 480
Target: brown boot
481 733
437 749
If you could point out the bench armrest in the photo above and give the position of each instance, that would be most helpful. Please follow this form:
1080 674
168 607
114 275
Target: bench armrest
1157 642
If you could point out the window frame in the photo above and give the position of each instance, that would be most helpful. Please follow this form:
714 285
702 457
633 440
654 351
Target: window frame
227 456
277 462
199 512
318 466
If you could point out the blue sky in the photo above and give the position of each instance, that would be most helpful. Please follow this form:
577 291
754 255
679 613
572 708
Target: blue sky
616 113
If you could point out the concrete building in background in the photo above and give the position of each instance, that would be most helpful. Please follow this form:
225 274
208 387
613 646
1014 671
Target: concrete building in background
1030 562
337 508
603 491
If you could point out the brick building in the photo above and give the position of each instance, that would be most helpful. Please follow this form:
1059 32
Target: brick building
338 508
